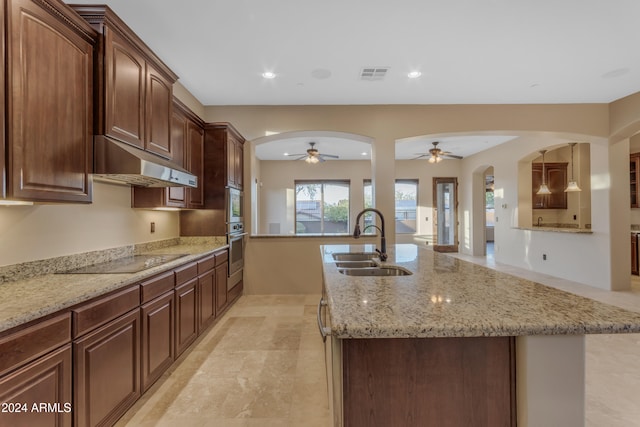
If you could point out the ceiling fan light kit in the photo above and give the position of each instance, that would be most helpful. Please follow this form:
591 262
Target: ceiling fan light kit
436 154
313 156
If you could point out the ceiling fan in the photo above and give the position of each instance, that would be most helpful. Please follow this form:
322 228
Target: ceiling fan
313 155
436 154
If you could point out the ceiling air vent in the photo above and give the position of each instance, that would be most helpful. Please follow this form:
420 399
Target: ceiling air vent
373 73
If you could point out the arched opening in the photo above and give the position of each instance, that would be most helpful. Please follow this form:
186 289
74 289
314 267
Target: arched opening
292 195
546 198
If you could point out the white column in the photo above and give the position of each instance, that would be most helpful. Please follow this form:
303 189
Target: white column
550 380
383 175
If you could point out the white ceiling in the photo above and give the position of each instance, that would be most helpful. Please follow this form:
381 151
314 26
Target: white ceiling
469 51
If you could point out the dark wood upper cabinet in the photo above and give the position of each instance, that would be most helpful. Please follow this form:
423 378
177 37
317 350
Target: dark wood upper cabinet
556 180
195 161
49 88
187 142
134 88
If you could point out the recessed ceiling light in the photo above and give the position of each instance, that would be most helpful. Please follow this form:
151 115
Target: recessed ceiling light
286 154
364 153
269 75
414 74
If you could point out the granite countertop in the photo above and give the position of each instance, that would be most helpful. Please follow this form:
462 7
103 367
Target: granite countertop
448 297
555 229
22 301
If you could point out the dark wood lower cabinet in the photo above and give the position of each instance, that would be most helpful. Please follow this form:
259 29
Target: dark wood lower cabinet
158 336
222 297
439 382
91 363
186 315
206 299
107 371
45 381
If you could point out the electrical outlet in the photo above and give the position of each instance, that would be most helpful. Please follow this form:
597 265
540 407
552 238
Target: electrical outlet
153 227
544 257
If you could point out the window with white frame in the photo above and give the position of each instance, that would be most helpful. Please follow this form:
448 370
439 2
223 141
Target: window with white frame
406 202
322 207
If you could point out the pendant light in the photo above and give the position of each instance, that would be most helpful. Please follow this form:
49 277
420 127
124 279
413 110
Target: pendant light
573 185
543 187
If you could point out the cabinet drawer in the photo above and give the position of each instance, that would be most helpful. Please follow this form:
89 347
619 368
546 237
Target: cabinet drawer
99 312
186 273
30 343
206 264
156 286
222 257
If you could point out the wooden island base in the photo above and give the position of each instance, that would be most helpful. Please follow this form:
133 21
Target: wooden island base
440 382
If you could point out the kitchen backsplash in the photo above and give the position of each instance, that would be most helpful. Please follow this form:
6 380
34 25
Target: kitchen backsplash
25 270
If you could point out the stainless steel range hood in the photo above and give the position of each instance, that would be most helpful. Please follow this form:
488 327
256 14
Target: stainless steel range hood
117 161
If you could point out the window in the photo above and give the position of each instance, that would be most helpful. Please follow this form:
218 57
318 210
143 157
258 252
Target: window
406 206
322 207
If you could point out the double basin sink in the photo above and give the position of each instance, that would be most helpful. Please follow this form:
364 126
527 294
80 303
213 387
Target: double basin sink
365 264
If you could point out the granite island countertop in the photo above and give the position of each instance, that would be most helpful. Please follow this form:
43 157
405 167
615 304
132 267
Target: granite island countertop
448 297
22 301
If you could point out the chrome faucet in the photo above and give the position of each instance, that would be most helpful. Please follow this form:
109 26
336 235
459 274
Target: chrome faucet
539 219
383 241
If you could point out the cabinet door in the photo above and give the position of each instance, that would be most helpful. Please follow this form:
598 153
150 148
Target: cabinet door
124 91
221 287
207 299
158 347
186 315
107 371
231 162
47 380
49 118
159 101
557 179
177 196
195 153
239 164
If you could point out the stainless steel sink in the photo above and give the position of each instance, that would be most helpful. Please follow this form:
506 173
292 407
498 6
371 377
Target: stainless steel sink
356 264
376 271
354 256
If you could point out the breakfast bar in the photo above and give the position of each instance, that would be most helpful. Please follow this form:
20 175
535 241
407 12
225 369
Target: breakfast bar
434 340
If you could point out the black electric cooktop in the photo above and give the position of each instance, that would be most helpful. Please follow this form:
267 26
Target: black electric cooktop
129 264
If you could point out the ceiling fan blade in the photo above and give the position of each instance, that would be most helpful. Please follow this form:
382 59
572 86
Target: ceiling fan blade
300 157
421 155
331 156
450 156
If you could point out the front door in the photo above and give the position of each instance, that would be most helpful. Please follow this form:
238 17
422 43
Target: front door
445 205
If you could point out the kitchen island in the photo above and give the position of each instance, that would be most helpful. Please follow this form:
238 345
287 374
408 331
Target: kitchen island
455 343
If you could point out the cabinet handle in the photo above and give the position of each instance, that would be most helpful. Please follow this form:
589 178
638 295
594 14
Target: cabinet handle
324 331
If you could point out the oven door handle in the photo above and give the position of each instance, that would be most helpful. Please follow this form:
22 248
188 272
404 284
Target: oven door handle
235 236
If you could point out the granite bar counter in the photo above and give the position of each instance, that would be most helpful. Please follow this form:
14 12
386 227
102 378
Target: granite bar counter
455 344
32 290
448 297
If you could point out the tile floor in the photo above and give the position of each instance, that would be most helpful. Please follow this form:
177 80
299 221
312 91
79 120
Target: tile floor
262 365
